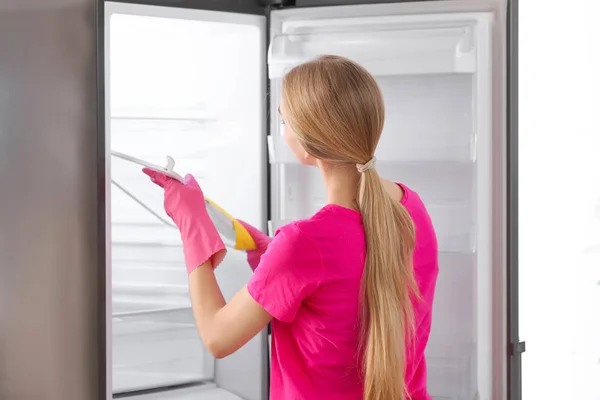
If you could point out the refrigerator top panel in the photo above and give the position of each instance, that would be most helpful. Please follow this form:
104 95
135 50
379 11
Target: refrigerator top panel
384 44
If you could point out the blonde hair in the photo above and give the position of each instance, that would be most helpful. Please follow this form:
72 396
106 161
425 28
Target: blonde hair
335 108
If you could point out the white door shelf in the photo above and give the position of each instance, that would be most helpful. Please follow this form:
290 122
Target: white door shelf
390 45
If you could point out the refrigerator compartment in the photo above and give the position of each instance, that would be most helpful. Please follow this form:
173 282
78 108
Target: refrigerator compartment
148 253
428 119
452 184
151 349
132 272
127 303
190 368
448 184
299 194
459 242
434 146
154 376
225 177
384 45
209 116
452 352
454 227
147 233
455 303
149 138
158 272
452 372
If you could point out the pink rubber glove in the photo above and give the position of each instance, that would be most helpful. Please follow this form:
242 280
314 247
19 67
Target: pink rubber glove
262 242
185 204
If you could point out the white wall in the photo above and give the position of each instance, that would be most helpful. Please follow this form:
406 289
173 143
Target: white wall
560 198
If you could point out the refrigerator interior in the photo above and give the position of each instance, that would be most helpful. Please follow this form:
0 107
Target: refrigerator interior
175 86
435 74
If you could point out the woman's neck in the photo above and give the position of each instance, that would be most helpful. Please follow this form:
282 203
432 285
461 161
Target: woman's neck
341 184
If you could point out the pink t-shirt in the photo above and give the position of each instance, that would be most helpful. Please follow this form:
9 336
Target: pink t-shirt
309 280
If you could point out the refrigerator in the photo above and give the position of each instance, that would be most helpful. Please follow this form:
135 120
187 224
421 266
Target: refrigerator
96 265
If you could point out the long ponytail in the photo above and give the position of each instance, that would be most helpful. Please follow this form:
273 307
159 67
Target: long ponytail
336 110
387 286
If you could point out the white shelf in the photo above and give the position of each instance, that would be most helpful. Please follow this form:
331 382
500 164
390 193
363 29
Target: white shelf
207 391
383 45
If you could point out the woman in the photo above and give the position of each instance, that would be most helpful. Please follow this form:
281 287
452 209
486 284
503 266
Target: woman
349 289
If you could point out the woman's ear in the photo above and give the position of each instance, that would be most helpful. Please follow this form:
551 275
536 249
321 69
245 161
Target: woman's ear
309 160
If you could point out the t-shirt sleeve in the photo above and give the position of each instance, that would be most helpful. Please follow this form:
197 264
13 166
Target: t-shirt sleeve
288 272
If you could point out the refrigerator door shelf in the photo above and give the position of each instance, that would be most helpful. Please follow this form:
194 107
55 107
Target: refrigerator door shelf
390 151
386 45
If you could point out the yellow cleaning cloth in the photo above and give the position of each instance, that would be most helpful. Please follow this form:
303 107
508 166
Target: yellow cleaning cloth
243 240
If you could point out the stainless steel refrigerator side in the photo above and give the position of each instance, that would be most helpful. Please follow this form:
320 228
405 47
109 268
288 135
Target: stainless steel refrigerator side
516 347
104 196
499 210
51 302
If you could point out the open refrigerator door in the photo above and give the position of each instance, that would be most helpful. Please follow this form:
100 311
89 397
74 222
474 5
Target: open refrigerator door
434 64
176 82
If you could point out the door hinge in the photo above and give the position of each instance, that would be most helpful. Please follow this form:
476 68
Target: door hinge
278 3
517 348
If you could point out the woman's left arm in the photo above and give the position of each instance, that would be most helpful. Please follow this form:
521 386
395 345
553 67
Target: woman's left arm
223 327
